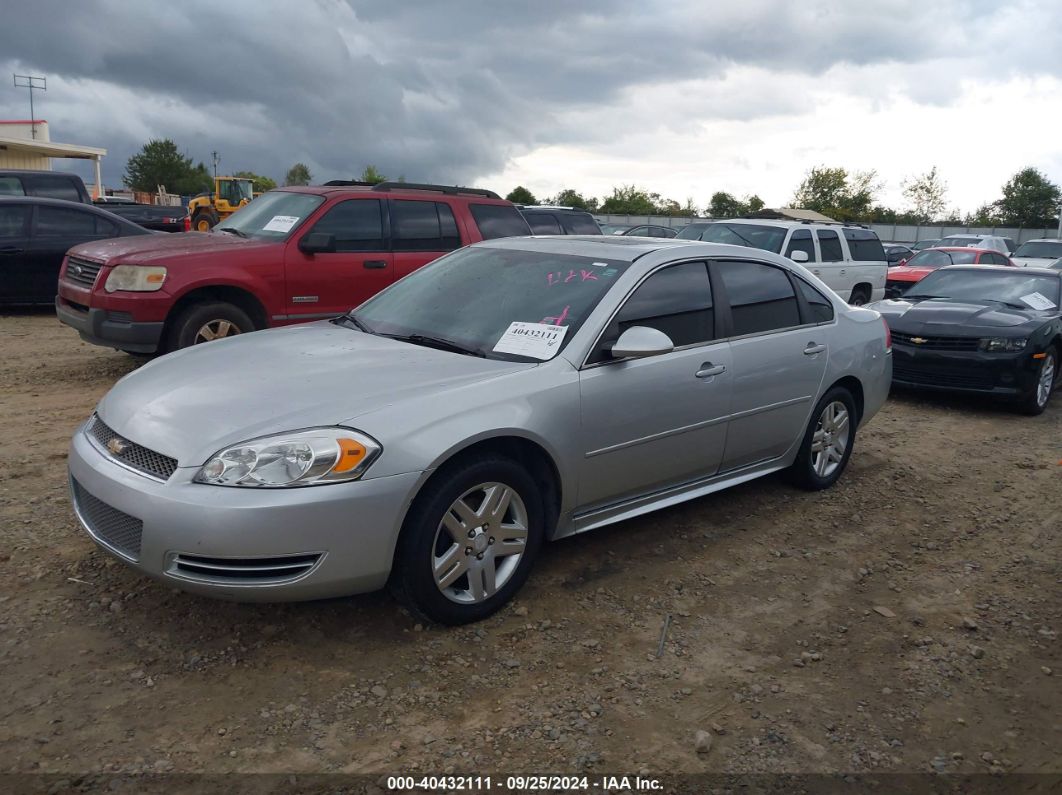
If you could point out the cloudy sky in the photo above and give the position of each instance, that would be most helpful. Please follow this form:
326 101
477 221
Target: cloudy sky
682 97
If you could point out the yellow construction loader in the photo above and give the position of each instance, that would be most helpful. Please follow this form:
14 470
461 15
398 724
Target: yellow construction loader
230 194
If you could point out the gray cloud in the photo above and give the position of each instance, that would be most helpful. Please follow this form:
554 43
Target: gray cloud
451 91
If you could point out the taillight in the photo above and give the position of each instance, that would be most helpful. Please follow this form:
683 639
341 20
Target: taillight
888 335
188 223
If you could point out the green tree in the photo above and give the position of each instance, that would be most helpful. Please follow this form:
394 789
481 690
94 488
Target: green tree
838 194
298 174
629 200
927 195
725 205
754 203
985 215
569 197
690 209
261 184
1029 199
521 195
370 174
159 162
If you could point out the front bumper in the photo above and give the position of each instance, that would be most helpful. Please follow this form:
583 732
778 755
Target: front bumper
270 545
110 329
1005 375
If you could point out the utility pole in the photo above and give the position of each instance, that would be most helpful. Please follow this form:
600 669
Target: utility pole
32 83
216 161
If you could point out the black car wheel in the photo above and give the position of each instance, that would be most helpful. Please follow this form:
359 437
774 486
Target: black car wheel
206 322
860 297
204 221
827 443
469 541
1046 377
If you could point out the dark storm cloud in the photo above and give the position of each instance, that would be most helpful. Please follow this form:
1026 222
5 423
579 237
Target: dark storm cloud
434 91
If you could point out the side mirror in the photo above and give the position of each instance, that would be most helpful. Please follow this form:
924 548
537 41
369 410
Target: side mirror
799 256
317 243
637 342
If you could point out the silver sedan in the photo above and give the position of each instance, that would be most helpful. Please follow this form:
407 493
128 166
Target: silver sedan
514 392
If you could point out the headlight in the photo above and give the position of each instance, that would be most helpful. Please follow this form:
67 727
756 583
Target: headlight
135 278
300 458
1002 344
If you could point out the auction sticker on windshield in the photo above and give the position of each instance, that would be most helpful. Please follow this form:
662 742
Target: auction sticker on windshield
536 340
1038 301
281 223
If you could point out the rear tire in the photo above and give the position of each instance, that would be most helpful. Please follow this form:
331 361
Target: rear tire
458 560
1046 378
827 443
208 321
860 296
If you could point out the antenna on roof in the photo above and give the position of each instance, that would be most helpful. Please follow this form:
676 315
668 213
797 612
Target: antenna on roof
32 83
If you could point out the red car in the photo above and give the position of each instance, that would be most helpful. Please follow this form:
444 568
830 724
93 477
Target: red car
290 256
902 276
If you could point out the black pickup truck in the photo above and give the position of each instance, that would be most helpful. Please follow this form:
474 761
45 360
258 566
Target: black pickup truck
149 216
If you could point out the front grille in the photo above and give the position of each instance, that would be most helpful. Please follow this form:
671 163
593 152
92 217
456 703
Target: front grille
133 455
936 343
116 529
248 571
82 271
969 379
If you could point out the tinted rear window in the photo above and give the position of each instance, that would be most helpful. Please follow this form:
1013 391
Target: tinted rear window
53 188
13 219
499 220
11 186
830 245
543 224
864 245
580 224
423 226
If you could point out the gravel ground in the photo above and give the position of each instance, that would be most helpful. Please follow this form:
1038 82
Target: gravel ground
904 621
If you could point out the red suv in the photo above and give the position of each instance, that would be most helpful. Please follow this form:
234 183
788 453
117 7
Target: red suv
291 255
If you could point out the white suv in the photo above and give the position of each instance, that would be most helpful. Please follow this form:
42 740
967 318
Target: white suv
850 259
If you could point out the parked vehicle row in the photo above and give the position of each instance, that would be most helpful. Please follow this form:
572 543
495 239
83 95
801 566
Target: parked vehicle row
157 217
510 393
928 260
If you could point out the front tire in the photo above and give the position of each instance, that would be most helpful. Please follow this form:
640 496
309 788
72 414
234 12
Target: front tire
827 443
469 541
206 322
204 221
1046 377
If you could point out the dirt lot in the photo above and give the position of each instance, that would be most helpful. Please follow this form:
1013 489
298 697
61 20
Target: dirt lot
904 621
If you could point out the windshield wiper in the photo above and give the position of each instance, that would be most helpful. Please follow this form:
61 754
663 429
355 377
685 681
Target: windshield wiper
922 295
234 230
354 322
437 342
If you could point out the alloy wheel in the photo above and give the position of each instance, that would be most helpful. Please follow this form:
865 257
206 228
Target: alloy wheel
215 330
1046 381
830 439
479 543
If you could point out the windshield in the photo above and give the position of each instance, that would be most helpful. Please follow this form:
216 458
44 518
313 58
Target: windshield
768 238
692 231
1019 289
935 258
1040 250
271 216
474 296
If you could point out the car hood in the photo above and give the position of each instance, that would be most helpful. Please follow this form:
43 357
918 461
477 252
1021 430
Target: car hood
148 249
903 273
952 318
193 402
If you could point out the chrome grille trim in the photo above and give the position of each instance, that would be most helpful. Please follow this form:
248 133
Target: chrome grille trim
276 570
136 457
82 271
937 343
118 531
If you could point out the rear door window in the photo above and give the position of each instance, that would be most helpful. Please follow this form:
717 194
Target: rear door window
801 241
356 224
11 186
13 220
761 297
819 305
498 220
830 245
864 245
423 226
544 224
64 222
53 187
580 224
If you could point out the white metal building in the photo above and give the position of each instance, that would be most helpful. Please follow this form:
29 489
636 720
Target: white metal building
26 145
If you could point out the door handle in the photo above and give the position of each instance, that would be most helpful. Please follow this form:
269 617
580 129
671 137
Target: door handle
812 349
374 264
708 370
844 271
816 271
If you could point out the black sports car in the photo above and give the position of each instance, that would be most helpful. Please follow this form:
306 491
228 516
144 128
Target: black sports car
986 329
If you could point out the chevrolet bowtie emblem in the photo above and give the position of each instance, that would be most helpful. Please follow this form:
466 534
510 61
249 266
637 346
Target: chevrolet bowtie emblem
918 340
117 446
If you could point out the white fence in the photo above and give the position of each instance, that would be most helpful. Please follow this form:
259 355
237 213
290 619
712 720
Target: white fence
899 233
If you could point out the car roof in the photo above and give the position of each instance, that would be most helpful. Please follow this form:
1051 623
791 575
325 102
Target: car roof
619 247
1003 269
1043 240
784 224
36 171
367 190
963 248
